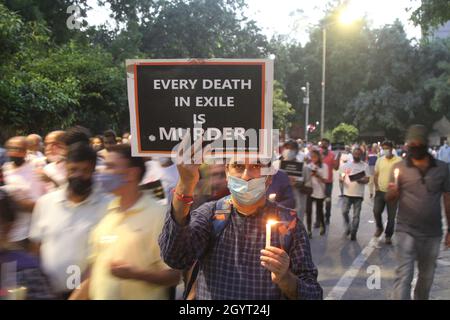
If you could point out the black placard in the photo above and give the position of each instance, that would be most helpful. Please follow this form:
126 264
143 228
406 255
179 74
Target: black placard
171 98
292 168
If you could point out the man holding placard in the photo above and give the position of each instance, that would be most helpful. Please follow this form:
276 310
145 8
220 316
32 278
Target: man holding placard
355 176
237 263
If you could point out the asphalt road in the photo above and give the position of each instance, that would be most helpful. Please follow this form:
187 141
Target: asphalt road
363 269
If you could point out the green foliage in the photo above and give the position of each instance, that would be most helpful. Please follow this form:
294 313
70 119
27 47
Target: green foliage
345 133
281 108
431 14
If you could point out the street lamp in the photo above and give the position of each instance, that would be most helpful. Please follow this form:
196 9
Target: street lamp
306 102
347 16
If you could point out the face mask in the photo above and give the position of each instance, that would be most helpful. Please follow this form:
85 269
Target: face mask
108 182
80 186
164 161
18 161
387 152
247 192
418 152
289 154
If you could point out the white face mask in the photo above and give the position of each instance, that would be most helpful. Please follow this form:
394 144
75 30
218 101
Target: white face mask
289 154
247 192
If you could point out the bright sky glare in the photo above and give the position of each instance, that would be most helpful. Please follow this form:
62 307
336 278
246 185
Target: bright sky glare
294 17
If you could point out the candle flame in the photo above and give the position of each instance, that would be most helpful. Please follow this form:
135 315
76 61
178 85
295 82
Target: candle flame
271 222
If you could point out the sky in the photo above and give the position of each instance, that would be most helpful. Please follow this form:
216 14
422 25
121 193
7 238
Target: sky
293 17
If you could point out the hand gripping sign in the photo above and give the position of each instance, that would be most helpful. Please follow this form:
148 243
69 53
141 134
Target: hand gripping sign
223 102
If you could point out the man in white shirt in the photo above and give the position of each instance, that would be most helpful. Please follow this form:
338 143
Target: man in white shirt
125 259
354 177
23 185
63 219
53 171
34 147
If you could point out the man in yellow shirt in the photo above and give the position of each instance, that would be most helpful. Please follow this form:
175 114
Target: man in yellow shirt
125 255
383 168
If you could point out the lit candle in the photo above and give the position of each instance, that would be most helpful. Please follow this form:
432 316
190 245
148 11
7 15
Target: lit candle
272 197
396 172
269 225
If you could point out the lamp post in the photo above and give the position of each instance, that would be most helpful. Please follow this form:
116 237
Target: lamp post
346 17
322 107
306 102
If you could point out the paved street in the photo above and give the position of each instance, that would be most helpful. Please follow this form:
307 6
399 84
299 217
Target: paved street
346 266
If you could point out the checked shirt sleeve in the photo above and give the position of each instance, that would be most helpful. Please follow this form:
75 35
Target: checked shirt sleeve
303 266
182 245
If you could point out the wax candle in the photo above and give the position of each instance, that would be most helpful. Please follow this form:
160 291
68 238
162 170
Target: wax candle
396 172
269 225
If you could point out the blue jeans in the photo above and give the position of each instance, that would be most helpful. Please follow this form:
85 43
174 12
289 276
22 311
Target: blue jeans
347 204
408 250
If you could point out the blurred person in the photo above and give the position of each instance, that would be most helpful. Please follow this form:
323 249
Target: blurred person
125 259
126 138
372 158
97 143
281 186
24 187
109 140
77 134
354 192
421 184
25 266
162 169
62 219
382 174
53 171
291 152
444 152
231 265
34 147
319 174
346 157
332 162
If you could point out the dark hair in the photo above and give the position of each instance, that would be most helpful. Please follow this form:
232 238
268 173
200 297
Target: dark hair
317 153
8 209
325 140
99 137
124 150
77 134
109 134
388 143
291 144
81 151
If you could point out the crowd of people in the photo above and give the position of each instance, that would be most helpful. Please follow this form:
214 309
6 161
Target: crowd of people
81 218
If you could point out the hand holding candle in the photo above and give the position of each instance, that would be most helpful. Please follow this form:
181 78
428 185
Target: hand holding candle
396 173
269 225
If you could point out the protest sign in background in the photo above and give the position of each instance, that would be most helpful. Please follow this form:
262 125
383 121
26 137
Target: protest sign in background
215 99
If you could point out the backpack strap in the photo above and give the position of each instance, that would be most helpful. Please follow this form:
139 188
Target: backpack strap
220 219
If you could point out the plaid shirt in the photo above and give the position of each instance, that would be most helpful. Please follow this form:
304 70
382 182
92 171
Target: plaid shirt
231 268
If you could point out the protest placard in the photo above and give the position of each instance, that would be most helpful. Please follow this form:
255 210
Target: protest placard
224 101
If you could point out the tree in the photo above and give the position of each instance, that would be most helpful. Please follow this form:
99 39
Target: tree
431 14
345 133
44 86
281 108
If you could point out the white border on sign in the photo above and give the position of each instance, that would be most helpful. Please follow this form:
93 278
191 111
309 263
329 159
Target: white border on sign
266 140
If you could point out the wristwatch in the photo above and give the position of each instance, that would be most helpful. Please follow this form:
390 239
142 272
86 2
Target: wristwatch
183 198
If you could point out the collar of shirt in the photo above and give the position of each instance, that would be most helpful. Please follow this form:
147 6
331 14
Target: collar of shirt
61 196
138 207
